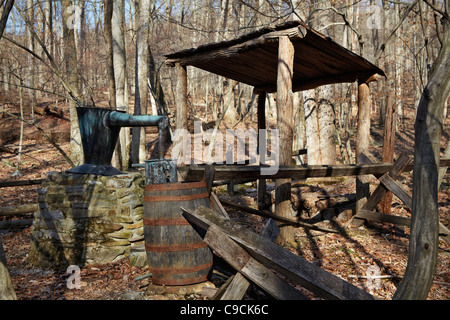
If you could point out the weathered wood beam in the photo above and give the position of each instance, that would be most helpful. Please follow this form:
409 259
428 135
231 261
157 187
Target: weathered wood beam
396 189
256 272
382 217
243 172
444 233
297 269
239 284
18 210
285 220
17 183
381 190
20 223
224 51
236 288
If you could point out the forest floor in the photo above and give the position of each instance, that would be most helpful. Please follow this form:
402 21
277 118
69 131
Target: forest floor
347 255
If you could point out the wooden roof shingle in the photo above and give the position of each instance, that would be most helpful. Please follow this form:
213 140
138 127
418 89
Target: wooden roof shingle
253 59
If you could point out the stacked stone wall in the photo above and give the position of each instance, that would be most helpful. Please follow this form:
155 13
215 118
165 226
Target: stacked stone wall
87 219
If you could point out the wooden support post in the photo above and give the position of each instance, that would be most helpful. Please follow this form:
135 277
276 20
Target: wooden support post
285 103
261 183
181 96
362 144
388 148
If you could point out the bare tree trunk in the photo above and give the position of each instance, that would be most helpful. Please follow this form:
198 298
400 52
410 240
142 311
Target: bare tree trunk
138 146
6 288
423 243
31 64
109 53
121 156
70 57
327 129
312 127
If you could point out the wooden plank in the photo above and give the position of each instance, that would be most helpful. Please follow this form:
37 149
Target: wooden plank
381 217
237 288
20 223
242 172
240 260
18 210
223 288
401 221
215 204
239 284
234 47
266 214
380 191
396 189
297 269
297 172
17 183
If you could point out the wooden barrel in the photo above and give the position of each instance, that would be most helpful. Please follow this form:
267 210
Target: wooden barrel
176 253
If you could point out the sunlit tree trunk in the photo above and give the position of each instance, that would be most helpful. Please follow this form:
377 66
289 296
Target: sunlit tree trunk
70 59
121 156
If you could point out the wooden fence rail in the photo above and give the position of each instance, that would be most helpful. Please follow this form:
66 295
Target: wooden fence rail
244 172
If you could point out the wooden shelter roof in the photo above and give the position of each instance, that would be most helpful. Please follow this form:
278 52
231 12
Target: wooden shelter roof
253 59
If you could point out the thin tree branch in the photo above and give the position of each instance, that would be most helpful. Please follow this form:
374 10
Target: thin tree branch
45 136
381 48
432 6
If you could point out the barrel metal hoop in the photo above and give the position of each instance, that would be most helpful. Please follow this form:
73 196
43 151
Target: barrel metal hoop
174 247
169 270
178 282
174 186
165 222
176 198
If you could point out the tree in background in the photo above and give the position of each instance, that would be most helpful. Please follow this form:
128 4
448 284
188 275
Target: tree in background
423 243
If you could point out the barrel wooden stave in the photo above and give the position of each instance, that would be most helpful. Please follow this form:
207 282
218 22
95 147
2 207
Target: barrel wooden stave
176 252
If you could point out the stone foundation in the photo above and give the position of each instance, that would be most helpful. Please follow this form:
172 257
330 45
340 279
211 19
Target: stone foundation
87 219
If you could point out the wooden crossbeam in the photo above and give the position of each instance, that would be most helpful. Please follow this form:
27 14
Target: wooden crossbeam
387 183
244 172
381 190
285 220
275 257
396 189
